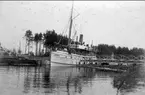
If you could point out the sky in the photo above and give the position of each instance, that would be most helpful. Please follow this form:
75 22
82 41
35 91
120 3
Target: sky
119 23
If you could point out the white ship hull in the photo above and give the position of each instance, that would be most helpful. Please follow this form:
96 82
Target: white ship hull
62 58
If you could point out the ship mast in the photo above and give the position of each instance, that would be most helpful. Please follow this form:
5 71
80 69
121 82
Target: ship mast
70 27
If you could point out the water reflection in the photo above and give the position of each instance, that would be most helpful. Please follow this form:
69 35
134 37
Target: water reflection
70 81
65 80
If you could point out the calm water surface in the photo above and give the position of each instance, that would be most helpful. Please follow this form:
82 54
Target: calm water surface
70 81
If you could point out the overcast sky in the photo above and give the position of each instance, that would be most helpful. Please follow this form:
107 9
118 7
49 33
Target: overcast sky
121 23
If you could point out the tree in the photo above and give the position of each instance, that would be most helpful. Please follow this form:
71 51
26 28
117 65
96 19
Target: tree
43 40
40 40
36 40
28 36
50 38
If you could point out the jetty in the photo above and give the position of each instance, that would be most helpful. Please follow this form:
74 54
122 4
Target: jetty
120 65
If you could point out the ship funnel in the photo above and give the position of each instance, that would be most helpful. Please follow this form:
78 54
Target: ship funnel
81 39
77 39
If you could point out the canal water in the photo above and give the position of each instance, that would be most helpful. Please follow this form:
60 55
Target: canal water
70 81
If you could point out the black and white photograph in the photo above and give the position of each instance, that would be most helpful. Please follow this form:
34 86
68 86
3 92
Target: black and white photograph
72 47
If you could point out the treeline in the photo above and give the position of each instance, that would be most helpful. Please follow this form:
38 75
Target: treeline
104 49
48 39
51 39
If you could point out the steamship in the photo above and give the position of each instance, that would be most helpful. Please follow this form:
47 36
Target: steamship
72 53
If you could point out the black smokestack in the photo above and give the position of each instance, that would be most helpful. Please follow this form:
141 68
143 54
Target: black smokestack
81 39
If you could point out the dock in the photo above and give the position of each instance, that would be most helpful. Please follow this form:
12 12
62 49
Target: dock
110 65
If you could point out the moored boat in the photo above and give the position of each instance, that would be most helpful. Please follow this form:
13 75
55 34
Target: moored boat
22 62
72 53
